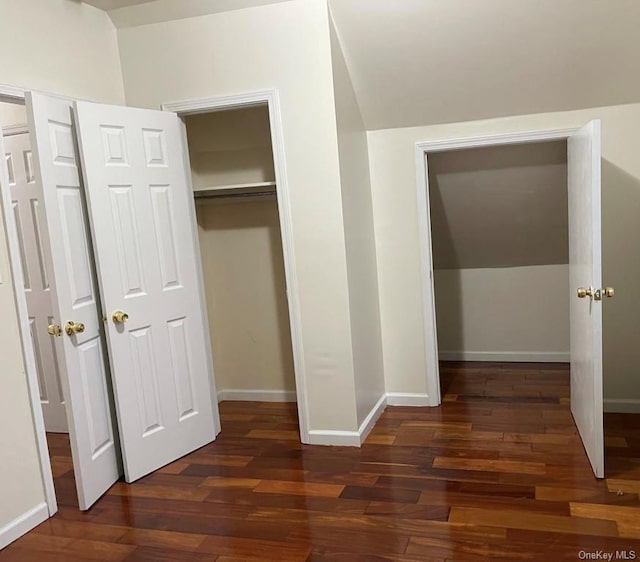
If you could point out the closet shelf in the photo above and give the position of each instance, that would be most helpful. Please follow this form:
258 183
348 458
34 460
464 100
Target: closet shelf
236 190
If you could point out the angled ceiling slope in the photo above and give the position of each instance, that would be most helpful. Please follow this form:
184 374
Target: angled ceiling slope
420 62
114 4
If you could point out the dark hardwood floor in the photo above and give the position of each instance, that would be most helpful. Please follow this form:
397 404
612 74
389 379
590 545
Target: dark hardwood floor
496 473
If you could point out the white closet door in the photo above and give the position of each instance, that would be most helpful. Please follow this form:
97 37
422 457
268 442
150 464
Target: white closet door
585 272
81 356
140 208
33 254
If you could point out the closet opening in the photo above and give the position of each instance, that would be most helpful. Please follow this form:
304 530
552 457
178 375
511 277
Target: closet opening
34 257
500 239
243 263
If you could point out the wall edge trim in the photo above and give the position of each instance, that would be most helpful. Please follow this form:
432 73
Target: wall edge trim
23 524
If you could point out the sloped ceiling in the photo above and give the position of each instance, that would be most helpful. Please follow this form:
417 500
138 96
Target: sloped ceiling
418 62
499 206
114 4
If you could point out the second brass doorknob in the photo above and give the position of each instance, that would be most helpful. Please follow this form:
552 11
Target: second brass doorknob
584 292
73 328
119 317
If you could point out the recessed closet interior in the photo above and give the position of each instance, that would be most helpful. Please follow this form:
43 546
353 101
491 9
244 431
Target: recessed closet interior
34 257
499 220
239 233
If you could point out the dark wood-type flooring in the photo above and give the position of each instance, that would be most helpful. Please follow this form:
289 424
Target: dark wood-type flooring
496 473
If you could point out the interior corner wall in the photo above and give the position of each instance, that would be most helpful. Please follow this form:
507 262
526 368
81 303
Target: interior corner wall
393 183
283 46
359 237
67 48
63 47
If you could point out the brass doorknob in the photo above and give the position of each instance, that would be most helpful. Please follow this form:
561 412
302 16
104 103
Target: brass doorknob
608 292
73 328
54 330
120 317
584 292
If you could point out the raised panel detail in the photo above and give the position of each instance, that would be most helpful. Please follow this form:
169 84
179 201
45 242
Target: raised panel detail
127 240
74 240
28 166
94 388
44 396
165 235
155 147
10 169
181 369
114 144
62 145
42 264
23 255
145 375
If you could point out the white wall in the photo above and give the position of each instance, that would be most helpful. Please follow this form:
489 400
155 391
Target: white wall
503 314
359 236
68 48
391 154
243 272
284 46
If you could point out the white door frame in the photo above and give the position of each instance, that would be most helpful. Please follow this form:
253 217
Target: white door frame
422 151
272 100
12 94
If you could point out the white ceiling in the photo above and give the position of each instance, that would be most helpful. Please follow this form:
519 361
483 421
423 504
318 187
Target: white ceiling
499 206
416 62
420 62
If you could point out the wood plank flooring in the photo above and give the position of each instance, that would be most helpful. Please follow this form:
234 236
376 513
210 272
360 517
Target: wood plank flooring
496 473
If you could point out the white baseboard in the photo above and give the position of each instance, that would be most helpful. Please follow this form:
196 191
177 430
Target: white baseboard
23 524
372 417
506 356
622 406
333 437
407 399
349 438
257 395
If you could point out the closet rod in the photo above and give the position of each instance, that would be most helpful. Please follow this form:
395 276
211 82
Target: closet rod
214 195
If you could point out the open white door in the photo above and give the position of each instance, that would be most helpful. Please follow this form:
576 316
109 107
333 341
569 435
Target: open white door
140 208
81 355
583 160
28 220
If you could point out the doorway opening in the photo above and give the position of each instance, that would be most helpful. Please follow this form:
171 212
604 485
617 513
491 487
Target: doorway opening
238 212
585 269
34 256
499 232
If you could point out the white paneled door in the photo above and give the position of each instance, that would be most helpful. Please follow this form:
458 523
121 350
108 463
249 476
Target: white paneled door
583 160
76 325
34 256
140 207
